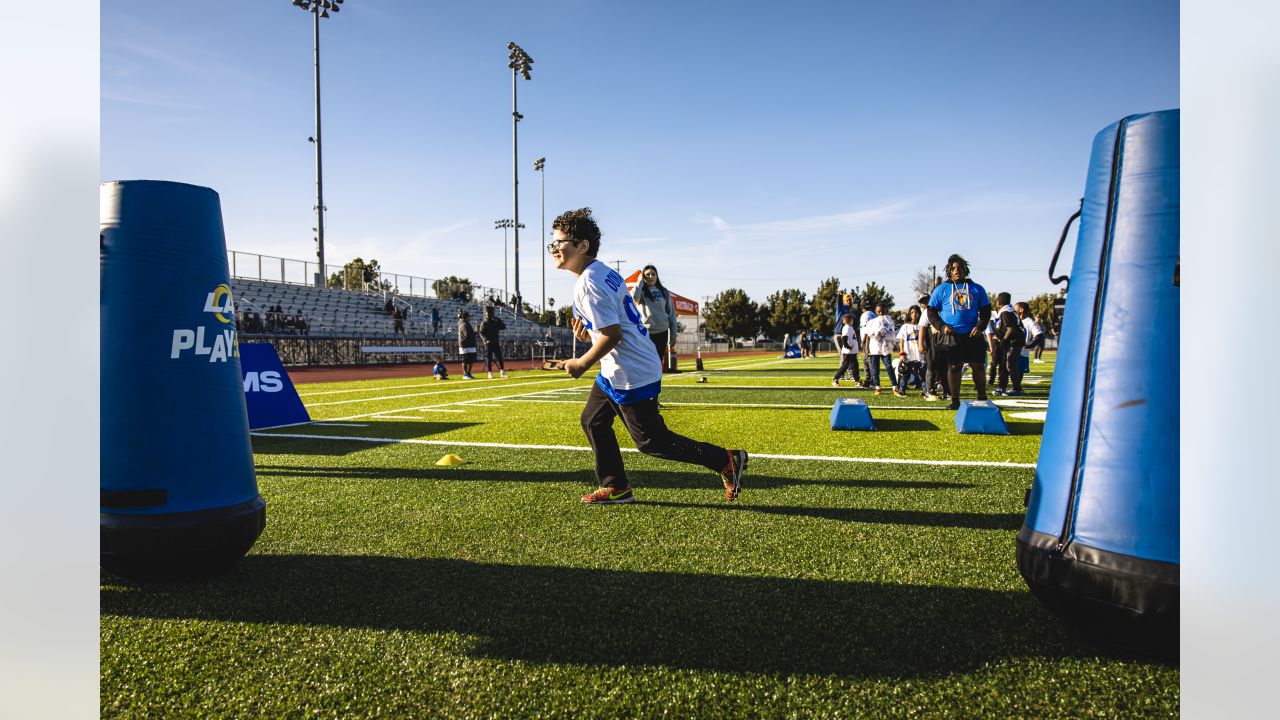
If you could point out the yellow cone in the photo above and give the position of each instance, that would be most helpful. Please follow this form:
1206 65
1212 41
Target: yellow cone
450 459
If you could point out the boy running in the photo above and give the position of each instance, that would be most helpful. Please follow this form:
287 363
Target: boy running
630 378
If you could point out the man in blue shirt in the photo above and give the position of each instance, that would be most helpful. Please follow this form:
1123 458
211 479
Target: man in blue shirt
958 311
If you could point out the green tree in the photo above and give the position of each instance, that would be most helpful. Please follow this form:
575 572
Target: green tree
732 314
875 295
822 311
1042 305
451 287
787 311
352 276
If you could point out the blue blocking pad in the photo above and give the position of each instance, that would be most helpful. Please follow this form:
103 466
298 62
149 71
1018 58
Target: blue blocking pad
980 417
851 414
268 392
792 351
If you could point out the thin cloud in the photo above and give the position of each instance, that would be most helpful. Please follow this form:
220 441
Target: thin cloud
814 224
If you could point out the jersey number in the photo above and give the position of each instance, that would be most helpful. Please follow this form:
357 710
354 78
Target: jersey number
633 314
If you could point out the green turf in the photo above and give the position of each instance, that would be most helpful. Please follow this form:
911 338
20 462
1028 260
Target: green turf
387 586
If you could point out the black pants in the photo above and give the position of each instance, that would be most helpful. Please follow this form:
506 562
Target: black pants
647 429
1012 367
660 344
848 361
492 351
997 369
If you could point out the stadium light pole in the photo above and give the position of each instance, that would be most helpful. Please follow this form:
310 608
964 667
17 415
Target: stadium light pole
318 9
521 64
503 224
539 166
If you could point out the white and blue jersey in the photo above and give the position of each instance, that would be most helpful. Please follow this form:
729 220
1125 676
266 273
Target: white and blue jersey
632 371
958 304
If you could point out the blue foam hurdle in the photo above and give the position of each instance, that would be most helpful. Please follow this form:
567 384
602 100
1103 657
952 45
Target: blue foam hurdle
179 492
851 414
980 417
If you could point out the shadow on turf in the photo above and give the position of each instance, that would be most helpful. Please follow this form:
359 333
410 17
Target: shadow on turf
973 521
639 479
265 443
603 617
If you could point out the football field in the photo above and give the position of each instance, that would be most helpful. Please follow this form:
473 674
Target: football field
860 574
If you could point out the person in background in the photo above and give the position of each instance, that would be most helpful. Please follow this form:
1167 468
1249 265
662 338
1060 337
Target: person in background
657 311
489 329
958 310
1034 330
877 339
1012 339
466 343
994 347
847 342
866 317
435 320
910 354
440 371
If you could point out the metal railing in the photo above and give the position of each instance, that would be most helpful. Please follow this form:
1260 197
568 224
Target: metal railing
269 268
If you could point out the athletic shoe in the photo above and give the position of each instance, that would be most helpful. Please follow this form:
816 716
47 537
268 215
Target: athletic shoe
1014 393
503 373
732 474
998 392
898 393
955 405
930 397
608 496
877 391
468 376
835 383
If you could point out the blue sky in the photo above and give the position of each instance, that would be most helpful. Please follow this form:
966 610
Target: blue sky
759 145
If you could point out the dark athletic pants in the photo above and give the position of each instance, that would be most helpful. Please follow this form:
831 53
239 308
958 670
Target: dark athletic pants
649 432
848 361
492 350
660 344
1012 370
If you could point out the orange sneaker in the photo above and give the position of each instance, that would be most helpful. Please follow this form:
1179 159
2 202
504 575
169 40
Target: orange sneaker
609 496
732 474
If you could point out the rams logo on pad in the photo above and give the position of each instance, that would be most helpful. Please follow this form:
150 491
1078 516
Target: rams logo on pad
219 303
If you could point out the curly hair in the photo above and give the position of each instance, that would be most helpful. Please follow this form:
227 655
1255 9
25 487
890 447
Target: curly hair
963 264
579 225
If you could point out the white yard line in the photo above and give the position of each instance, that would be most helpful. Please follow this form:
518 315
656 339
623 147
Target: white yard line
437 392
340 424
426 407
782 406
579 448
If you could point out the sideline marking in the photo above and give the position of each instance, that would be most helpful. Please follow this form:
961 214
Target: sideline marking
579 448
340 424
424 394
780 406
1030 415
427 407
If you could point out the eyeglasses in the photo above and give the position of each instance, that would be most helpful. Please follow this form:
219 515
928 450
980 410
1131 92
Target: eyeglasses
551 246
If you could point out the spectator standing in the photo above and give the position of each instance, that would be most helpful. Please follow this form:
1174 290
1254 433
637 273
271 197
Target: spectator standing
397 317
435 320
1012 338
994 347
847 342
657 311
910 352
630 376
489 329
867 316
1034 330
877 337
958 310
466 343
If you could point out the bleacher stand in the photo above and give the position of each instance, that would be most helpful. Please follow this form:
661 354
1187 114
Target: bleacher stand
353 314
